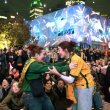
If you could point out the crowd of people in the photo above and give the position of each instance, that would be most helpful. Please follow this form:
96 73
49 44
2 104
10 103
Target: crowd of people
63 78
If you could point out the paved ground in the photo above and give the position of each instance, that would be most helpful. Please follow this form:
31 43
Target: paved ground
106 106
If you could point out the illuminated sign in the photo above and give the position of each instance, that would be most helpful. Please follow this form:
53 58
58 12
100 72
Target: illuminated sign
62 33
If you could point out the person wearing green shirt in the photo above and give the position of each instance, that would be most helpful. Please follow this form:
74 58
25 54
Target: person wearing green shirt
34 96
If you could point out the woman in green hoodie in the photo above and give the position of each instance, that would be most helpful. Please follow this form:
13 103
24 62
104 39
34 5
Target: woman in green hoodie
32 75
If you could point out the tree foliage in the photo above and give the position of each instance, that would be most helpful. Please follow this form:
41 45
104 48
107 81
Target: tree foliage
15 31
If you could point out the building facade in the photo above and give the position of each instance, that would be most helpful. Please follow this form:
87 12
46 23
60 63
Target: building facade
74 2
36 9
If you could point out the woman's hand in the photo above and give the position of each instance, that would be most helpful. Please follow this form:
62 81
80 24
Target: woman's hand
47 76
73 65
54 71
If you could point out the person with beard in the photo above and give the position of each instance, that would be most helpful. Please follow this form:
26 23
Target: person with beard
60 89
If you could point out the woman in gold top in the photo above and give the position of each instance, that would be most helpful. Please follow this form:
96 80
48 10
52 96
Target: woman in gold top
80 77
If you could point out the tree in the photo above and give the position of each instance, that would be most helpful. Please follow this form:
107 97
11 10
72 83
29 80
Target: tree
16 31
4 31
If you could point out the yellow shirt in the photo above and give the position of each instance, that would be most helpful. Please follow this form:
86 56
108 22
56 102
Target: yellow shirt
82 74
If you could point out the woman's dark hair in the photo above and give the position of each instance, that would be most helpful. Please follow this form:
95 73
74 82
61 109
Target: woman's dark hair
67 45
45 81
34 49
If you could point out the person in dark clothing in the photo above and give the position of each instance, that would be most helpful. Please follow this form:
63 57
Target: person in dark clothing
50 92
97 55
3 66
10 57
96 99
5 88
68 104
60 89
107 85
19 61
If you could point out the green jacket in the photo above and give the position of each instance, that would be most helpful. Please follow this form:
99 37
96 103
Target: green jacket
36 70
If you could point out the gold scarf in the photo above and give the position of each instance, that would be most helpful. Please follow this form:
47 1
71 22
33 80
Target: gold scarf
25 68
70 87
70 93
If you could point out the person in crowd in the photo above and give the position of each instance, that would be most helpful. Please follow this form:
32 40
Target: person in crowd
47 57
97 100
1 73
87 54
14 73
3 66
107 84
20 60
91 54
50 92
68 104
31 80
97 54
5 88
53 55
80 76
60 89
13 100
11 56
101 70
82 54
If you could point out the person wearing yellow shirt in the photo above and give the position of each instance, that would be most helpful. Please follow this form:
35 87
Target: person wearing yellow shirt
80 77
